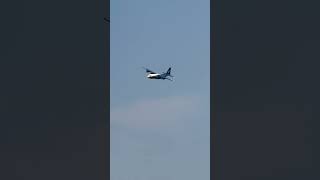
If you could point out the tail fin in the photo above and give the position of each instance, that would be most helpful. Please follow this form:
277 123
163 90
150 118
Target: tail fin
169 72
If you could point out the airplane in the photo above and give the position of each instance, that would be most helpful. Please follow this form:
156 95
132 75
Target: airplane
163 76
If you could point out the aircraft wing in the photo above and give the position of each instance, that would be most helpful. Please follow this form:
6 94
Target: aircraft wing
149 71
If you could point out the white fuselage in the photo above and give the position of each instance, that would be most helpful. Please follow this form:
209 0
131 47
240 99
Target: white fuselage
154 76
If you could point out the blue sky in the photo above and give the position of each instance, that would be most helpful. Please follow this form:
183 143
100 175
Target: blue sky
160 129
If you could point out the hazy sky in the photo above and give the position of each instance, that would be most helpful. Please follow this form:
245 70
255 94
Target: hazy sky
160 129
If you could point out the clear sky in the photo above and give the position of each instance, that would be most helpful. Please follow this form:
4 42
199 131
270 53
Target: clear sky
160 129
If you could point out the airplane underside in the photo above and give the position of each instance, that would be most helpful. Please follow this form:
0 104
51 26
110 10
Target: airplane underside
160 78
155 77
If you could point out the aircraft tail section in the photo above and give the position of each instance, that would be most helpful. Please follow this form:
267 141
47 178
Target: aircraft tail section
169 72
